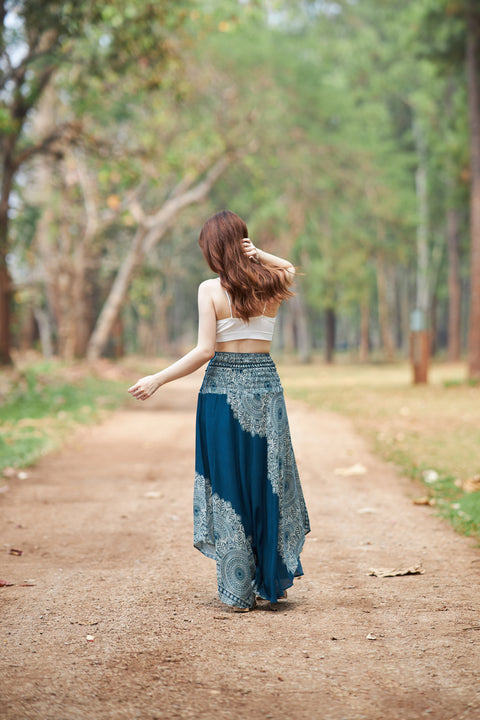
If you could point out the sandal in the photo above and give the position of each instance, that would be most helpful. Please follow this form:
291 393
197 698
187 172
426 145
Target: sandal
244 610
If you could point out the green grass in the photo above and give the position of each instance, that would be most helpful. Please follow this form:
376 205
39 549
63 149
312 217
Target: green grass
418 428
41 403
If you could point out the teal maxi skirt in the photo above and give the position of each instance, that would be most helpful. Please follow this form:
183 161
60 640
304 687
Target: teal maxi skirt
249 510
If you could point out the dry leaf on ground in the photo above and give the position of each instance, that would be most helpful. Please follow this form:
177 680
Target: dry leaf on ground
471 484
356 469
394 572
424 501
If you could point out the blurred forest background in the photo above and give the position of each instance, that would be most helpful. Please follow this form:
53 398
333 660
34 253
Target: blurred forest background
346 133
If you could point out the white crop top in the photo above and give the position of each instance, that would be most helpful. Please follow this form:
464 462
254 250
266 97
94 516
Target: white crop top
260 327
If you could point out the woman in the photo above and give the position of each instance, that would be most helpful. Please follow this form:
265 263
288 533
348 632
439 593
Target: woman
249 511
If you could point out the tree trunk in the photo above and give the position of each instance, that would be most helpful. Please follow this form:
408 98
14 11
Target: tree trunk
46 251
454 288
118 347
28 328
383 312
302 336
48 259
161 345
473 84
45 331
434 324
115 298
330 322
5 279
422 224
404 300
288 328
364 331
82 254
5 311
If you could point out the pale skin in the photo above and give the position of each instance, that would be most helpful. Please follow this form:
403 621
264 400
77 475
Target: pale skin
213 306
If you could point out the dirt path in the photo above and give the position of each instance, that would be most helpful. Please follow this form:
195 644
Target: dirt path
105 527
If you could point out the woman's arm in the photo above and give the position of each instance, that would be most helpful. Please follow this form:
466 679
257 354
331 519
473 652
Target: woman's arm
267 258
204 351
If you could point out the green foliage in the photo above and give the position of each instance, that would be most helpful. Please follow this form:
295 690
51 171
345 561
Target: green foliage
42 406
321 99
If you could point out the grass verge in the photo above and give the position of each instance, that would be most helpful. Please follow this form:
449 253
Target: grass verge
42 402
430 432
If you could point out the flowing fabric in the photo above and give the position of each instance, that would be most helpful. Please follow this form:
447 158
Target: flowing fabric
249 510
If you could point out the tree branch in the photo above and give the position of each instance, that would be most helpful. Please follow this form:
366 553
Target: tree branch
148 234
66 131
158 223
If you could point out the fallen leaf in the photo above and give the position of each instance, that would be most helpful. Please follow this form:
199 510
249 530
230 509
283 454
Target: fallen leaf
424 500
471 484
394 572
13 551
356 469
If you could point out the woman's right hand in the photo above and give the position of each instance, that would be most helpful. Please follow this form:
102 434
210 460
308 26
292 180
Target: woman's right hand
145 387
249 249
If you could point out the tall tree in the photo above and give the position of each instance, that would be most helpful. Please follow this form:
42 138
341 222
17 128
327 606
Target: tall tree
473 78
36 39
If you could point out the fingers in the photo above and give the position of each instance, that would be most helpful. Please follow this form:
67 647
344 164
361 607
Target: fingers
139 392
249 248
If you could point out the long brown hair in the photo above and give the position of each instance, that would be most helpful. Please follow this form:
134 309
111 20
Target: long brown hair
249 284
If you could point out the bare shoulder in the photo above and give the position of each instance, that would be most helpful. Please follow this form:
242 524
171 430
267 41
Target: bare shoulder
209 286
208 289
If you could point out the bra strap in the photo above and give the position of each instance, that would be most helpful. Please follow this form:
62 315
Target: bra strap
229 303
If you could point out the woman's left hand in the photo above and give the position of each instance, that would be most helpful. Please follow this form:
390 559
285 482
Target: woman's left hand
145 387
249 249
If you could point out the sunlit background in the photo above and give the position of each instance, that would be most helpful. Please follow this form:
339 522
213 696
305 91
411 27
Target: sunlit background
340 131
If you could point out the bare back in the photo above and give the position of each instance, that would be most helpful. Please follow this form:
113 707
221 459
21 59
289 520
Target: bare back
222 310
